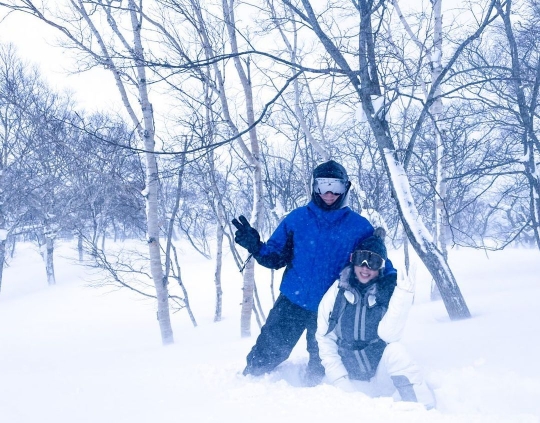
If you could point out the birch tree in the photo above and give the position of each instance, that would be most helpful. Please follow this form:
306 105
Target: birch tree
16 87
48 200
435 53
105 178
81 26
250 152
438 131
252 155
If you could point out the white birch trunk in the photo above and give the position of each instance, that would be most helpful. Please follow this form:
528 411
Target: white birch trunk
46 249
253 157
49 260
146 132
220 215
436 111
217 273
80 248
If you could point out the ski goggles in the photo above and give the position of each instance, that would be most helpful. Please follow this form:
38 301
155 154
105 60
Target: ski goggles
367 258
333 185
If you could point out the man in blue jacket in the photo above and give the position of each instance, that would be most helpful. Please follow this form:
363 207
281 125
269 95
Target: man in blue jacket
314 243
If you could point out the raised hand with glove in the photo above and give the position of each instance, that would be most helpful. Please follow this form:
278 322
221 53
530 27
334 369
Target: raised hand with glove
405 283
246 236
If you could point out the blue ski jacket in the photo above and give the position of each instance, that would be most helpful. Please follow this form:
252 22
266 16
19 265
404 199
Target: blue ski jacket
315 246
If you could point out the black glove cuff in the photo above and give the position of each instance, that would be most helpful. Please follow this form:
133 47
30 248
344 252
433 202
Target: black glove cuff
255 248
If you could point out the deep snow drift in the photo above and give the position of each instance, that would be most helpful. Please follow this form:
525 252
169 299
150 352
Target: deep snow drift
71 353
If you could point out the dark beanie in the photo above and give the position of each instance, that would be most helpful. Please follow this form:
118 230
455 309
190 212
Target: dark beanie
375 243
330 169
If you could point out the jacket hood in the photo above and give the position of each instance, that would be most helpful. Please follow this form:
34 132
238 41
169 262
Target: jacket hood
330 169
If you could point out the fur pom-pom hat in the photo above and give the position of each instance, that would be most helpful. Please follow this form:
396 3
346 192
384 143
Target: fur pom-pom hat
375 243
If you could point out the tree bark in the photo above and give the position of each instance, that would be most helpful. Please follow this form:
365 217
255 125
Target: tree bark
436 111
46 249
217 272
80 248
439 202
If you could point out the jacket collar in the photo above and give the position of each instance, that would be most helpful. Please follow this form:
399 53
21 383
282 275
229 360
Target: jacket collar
329 216
347 281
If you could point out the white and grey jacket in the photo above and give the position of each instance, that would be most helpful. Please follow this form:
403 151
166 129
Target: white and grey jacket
355 345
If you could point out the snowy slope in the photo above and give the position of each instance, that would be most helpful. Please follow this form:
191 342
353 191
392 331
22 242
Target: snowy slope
71 353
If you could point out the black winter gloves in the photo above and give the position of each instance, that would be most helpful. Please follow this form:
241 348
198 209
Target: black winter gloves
246 236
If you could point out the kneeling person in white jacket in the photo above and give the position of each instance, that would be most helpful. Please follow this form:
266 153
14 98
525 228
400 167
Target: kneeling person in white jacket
360 321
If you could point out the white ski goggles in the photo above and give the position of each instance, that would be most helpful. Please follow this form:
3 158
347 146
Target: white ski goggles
333 185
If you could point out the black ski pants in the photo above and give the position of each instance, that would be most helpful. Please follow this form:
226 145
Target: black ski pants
285 324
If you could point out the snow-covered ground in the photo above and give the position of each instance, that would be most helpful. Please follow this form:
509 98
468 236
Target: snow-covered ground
72 354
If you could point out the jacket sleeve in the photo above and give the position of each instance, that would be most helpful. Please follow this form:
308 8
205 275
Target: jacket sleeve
392 324
278 250
389 268
328 349
386 286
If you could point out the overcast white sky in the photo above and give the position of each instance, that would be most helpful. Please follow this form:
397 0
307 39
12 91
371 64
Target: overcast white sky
37 43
